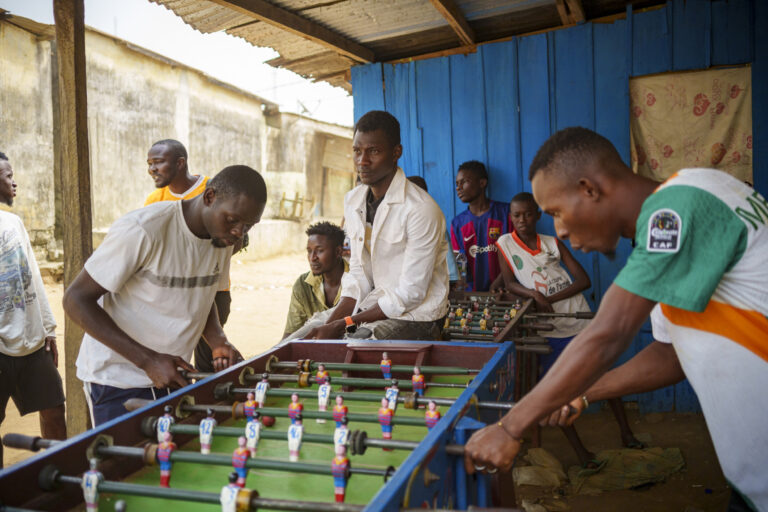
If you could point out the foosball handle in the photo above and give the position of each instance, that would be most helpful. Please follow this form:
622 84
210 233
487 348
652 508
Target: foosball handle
25 442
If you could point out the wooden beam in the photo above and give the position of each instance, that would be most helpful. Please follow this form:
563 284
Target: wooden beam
295 24
456 20
562 10
577 11
75 182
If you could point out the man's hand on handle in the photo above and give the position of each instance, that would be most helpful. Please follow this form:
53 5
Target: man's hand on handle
225 356
164 371
491 449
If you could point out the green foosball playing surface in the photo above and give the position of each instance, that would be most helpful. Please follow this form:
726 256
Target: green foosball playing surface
290 484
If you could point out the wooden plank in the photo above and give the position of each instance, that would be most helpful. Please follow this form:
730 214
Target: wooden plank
434 116
457 21
502 119
577 11
75 182
760 100
732 32
651 42
368 87
574 96
562 11
612 121
467 113
691 33
295 24
533 80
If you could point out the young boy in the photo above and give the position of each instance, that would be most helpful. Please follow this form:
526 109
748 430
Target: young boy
475 230
531 267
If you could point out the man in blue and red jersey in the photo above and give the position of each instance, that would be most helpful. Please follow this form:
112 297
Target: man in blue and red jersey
474 231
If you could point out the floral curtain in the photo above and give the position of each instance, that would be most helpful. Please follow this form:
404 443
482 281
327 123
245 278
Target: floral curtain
696 119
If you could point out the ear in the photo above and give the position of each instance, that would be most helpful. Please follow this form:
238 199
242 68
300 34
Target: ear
483 183
209 196
181 162
538 215
398 152
338 251
589 189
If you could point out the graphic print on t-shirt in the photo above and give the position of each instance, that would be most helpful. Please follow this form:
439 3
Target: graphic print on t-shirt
15 277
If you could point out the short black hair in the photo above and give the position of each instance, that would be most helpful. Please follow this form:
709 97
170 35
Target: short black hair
476 168
239 179
572 146
380 120
524 197
3 156
177 148
419 182
329 230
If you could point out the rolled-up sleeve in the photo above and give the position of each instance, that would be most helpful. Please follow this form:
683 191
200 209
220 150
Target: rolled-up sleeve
425 247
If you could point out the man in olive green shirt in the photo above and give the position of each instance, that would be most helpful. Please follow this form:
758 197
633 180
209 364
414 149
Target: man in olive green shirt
319 289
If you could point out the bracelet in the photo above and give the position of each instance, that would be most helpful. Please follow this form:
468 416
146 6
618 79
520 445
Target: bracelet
584 399
500 424
348 321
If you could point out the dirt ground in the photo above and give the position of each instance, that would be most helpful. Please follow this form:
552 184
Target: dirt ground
260 296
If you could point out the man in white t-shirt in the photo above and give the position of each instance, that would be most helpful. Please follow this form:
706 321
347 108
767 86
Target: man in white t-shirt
146 294
28 355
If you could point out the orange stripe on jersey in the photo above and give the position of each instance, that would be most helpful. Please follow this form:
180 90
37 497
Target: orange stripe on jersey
747 328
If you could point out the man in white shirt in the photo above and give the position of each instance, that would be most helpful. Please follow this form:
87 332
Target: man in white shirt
28 355
397 284
146 295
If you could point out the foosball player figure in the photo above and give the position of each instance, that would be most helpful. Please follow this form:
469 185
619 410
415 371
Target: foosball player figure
469 316
465 330
206 432
451 314
295 433
447 323
164 451
496 330
340 472
386 366
249 406
253 433
228 496
459 312
483 324
418 382
295 408
385 420
392 393
432 416
321 377
486 314
90 484
341 433
260 392
323 396
164 423
240 456
340 411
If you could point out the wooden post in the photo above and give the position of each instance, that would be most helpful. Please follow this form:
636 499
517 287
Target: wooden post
75 182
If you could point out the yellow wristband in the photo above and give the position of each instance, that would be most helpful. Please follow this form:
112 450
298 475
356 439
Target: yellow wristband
584 399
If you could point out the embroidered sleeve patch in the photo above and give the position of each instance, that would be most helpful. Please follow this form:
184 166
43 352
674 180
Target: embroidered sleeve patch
664 230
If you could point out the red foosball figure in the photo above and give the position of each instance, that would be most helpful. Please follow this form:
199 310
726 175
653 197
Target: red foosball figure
164 451
386 366
340 472
385 420
239 457
249 406
418 381
432 416
339 410
321 377
294 408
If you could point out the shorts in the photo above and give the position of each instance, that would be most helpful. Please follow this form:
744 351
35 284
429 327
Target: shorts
32 381
547 360
106 402
203 353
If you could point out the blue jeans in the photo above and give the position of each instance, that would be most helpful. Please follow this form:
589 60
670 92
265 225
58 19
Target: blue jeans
107 401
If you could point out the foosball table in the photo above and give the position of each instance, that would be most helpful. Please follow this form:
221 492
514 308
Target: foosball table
321 426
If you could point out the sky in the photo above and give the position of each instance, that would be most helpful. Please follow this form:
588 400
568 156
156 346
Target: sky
220 55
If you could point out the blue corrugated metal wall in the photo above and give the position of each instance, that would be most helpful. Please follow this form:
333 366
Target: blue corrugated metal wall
498 105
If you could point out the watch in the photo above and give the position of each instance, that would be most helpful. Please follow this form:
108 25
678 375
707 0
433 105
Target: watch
349 325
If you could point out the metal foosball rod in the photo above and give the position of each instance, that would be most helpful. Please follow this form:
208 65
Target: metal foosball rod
102 449
236 410
358 439
225 391
309 365
305 380
538 326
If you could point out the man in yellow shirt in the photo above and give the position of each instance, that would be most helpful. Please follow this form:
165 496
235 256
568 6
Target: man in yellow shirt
167 165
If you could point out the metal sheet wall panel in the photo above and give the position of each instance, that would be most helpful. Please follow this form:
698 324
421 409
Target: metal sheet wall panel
533 83
760 98
732 32
651 42
369 89
691 34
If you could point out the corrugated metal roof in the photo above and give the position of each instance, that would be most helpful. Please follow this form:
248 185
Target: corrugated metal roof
392 29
